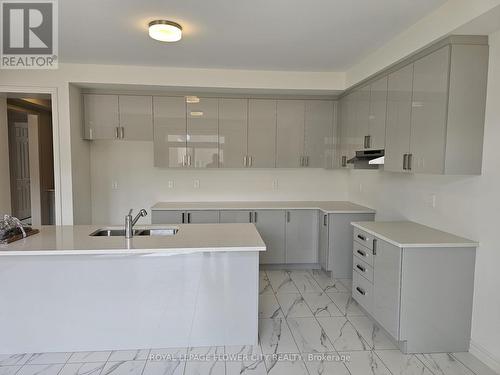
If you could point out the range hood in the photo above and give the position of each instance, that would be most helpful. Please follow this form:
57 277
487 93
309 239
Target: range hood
368 159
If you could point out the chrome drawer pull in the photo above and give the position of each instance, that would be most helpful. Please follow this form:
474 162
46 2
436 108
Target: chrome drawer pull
362 253
361 237
360 291
361 268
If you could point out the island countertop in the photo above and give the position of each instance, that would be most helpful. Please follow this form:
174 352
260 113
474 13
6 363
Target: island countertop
192 238
333 207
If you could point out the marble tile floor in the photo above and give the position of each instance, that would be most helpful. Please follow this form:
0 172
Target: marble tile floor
308 324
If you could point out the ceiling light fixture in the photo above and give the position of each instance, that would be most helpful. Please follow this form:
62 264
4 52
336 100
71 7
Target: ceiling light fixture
196 113
165 31
192 99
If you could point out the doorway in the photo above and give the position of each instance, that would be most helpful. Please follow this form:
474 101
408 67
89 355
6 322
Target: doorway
31 158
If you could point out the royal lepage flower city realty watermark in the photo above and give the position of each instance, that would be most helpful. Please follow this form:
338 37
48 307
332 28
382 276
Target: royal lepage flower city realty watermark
28 34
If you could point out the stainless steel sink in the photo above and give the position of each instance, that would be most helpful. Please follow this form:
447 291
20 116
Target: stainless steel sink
106 232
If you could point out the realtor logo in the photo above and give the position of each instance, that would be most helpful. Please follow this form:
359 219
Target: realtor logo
28 34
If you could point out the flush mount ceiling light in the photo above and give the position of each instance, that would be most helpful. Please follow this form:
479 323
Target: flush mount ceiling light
165 31
192 99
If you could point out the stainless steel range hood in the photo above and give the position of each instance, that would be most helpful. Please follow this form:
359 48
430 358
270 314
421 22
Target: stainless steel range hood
363 158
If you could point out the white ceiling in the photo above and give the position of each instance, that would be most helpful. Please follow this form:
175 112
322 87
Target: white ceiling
298 35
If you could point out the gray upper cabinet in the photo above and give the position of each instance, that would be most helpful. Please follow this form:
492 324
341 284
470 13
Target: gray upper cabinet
170 136
233 126
319 133
399 106
136 117
377 116
261 133
290 134
101 119
361 115
301 236
202 133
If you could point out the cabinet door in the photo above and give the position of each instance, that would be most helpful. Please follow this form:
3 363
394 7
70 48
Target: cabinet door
236 216
262 133
429 108
323 241
290 133
202 217
318 141
233 116
377 118
166 217
136 117
271 227
351 127
362 113
202 133
343 148
101 116
386 285
302 236
399 106
169 132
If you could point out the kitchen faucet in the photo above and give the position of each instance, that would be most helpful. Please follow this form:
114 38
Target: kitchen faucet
129 222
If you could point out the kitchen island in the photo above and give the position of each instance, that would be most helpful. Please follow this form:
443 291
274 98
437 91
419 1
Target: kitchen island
64 290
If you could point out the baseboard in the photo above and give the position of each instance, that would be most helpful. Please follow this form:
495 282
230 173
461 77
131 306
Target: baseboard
485 356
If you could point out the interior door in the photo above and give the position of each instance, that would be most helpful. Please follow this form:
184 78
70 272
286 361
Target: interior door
271 227
378 111
203 133
136 117
233 127
399 107
429 109
290 133
169 132
21 207
262 133
318 135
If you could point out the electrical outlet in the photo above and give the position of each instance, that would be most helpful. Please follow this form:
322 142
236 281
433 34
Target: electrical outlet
114 185
170 184
196 184
275 185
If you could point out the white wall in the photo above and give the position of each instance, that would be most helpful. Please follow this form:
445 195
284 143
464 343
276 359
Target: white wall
466 206
140 185
5 202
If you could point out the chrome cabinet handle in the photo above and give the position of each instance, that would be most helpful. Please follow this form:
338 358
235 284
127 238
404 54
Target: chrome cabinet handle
344 161
361 252
288 216
374 246
365 144
245 164
91 133
361 268
360 291
255 216
363 238
122 132
301 161
183 218
410 161
325 217
307 160
404 161
189 217
250 216
250 161
117 135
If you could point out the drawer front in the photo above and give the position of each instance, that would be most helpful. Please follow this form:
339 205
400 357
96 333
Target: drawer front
363 268
363 253
363 238
362 292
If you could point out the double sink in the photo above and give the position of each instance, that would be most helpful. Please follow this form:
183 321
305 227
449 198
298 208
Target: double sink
109 232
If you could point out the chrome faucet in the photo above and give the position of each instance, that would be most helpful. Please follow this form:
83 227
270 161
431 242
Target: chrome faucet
129 222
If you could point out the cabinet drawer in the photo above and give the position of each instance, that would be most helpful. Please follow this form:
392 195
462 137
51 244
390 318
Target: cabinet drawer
363 238
363 268
363 253
362 291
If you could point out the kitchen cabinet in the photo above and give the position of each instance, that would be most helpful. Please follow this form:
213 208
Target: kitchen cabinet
290 134
399 107
361 116
427 311
301 236
377 116
271 227
136 117
184 217
261 133
233 128
170 136
349 137
101 118
202 133
319 126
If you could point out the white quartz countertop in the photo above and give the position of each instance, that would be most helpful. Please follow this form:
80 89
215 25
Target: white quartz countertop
334 207
191 238
410 234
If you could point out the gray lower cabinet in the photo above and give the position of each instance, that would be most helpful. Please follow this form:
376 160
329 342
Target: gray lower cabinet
185 217
301 236
236 216
421 296
335 242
